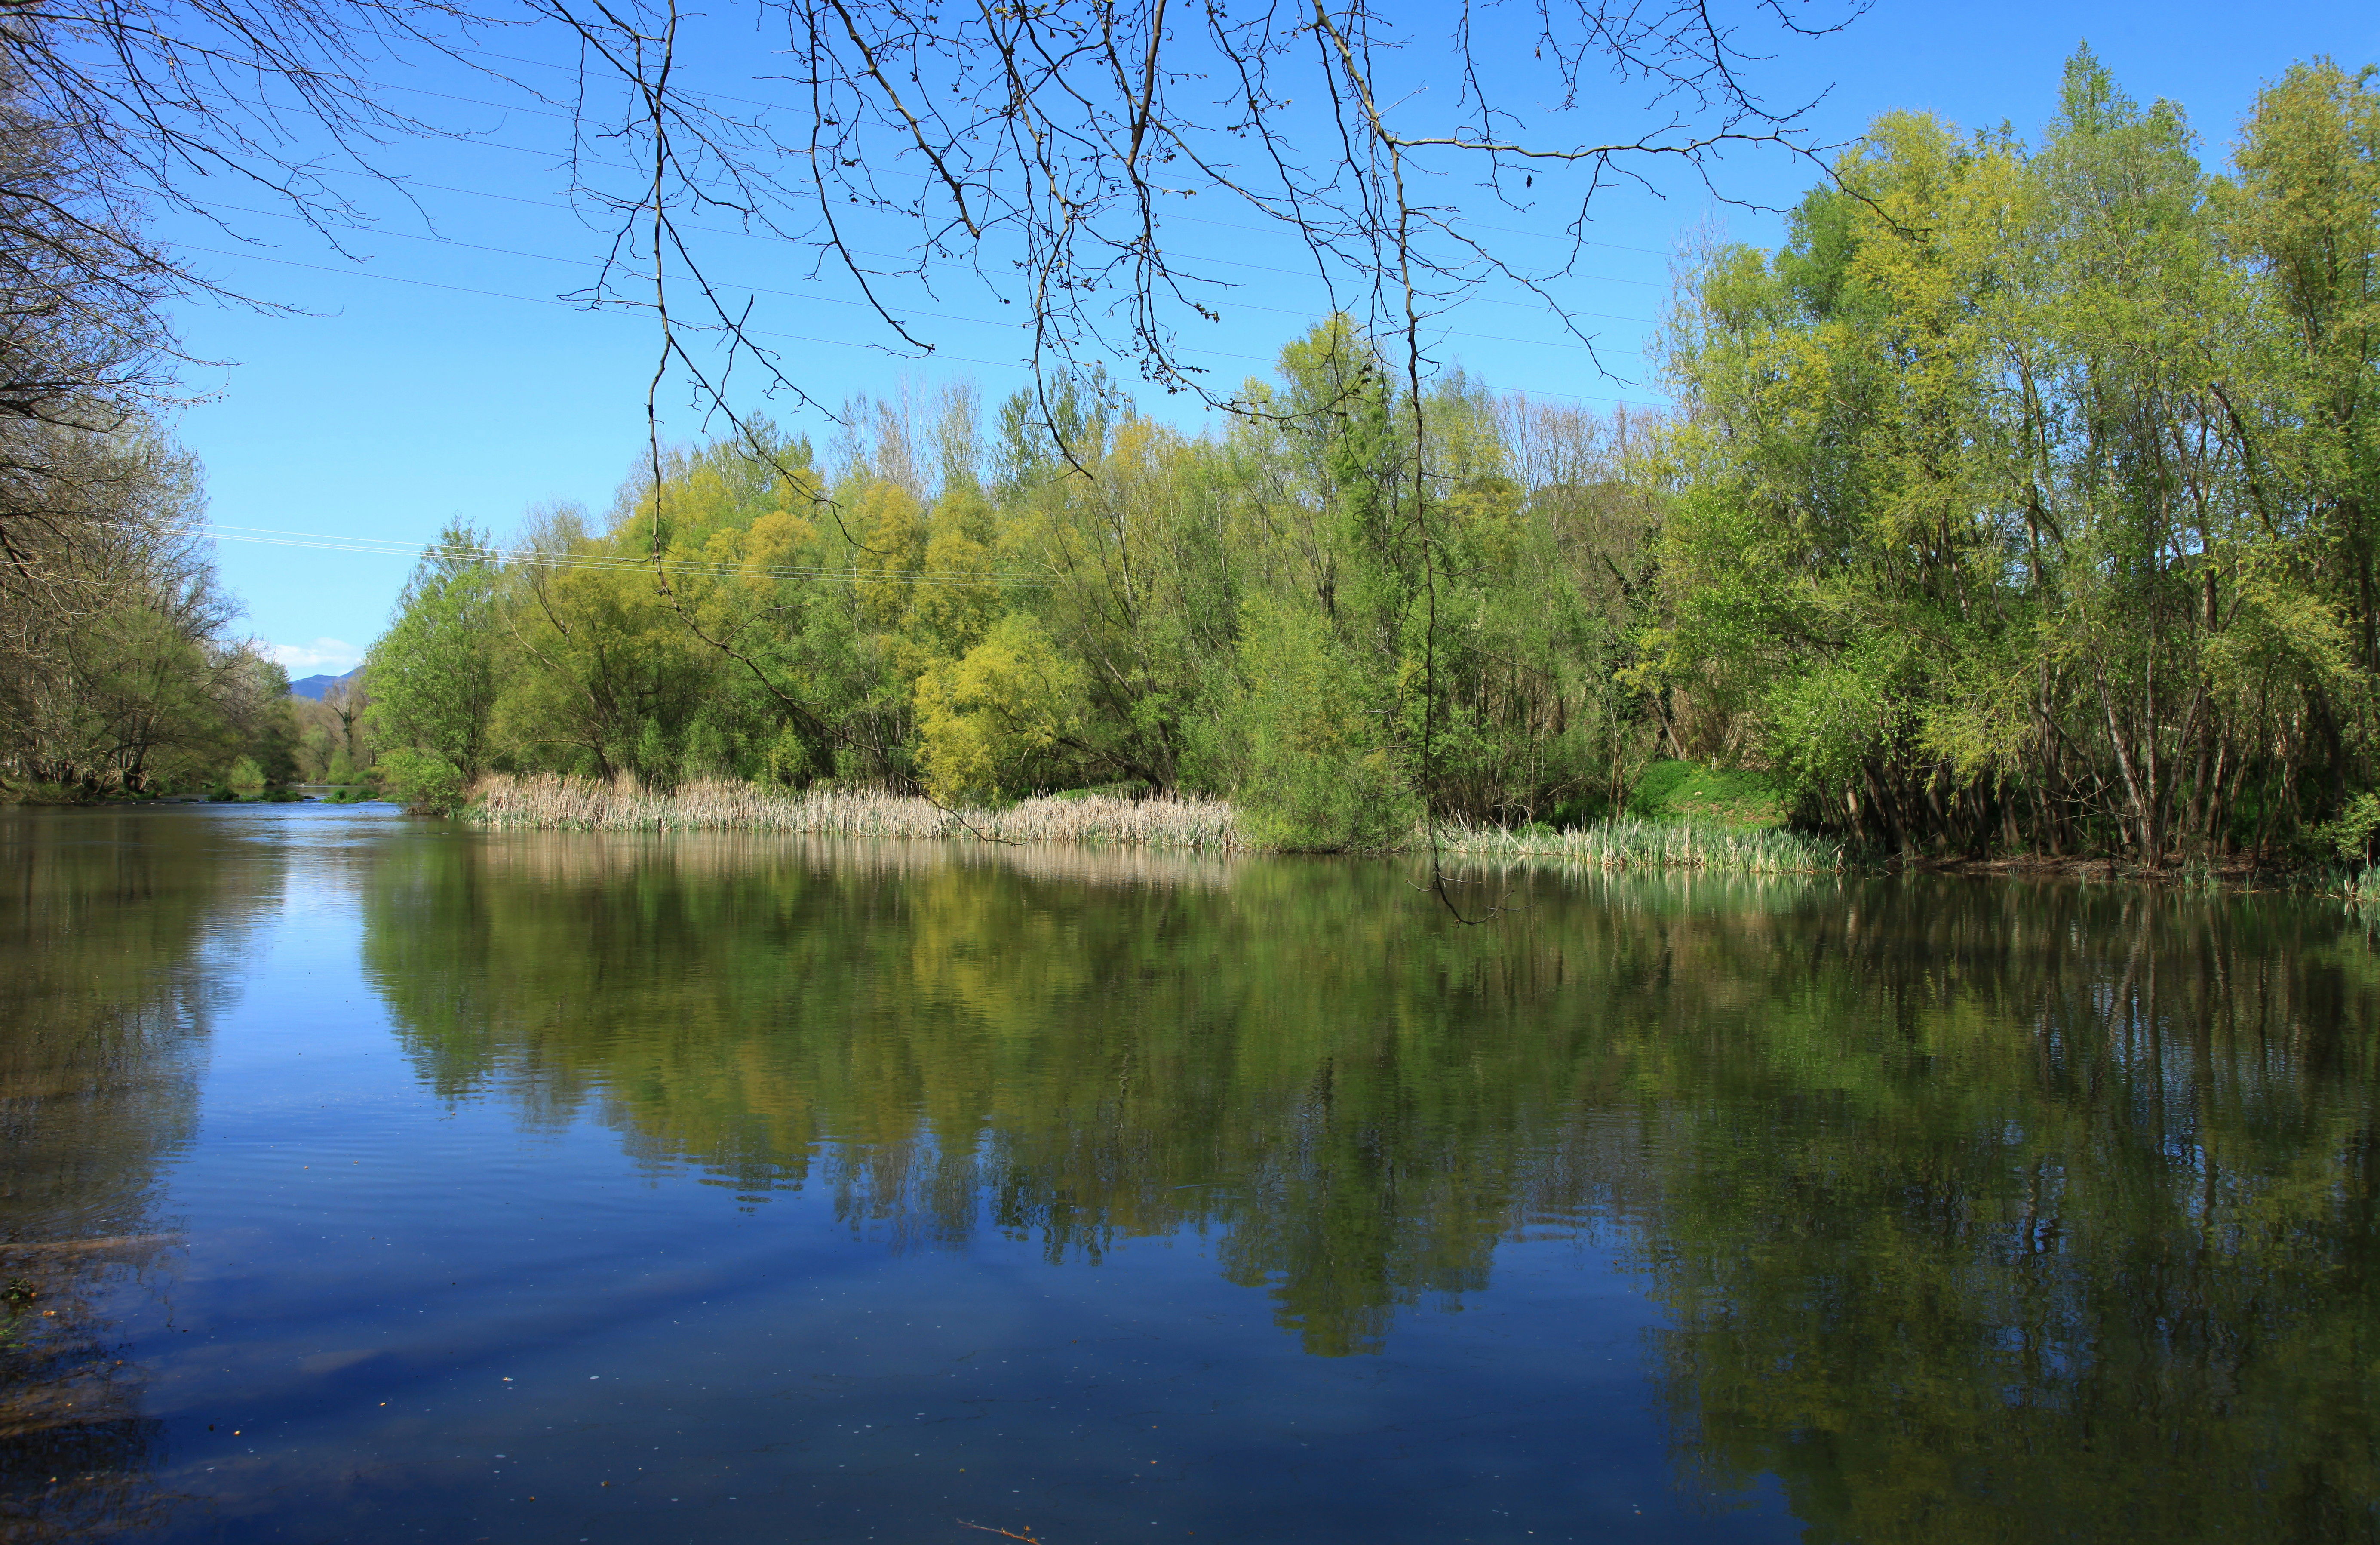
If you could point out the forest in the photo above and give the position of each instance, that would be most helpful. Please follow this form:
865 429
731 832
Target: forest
2027 499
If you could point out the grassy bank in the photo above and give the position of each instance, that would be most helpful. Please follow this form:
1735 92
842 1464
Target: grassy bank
560 804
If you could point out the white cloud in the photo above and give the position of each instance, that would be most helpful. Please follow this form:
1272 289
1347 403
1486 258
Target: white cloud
323 657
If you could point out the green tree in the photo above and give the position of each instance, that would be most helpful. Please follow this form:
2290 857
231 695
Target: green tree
435 673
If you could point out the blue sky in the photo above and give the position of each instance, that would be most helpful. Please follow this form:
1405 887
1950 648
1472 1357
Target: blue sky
433 371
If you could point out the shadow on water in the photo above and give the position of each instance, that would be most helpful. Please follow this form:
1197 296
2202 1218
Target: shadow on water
113 934
1977 1210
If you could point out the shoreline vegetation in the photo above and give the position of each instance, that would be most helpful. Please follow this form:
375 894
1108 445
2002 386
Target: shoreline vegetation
1972 540
1671 841
550 802
2017 514
1693 836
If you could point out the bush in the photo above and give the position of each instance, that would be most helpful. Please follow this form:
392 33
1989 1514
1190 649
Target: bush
49 794
2352 833
1354 802
1688 791
423 782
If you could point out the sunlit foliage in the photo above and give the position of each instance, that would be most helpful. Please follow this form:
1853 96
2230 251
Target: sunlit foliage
2027 499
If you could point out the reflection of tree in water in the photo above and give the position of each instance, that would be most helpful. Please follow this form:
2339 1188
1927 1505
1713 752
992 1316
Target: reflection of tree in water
1066 1045
2035 1216
1074 1050
104 996
1978 1211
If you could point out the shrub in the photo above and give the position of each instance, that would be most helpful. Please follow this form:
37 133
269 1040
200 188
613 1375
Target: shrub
1355 801
1688 791
423 782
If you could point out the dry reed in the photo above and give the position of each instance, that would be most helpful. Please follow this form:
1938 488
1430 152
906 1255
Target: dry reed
582 805
549 803
555 858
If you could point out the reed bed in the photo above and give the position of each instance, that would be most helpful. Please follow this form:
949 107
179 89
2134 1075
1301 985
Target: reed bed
2357 887
1628 843
549 803
582 805
550 857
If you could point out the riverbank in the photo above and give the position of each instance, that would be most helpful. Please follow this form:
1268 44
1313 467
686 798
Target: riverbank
2236 873
549 803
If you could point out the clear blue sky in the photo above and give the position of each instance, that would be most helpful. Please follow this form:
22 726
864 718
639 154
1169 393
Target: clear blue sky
441 377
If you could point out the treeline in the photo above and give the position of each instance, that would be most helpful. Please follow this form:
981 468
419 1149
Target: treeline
2028 498
2031 496
1080 597
120 670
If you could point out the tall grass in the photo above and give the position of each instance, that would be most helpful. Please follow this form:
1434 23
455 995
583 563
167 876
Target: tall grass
548 803
1628 843
2358 886
582 805
577 859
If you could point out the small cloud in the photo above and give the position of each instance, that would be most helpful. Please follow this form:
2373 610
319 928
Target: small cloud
323 657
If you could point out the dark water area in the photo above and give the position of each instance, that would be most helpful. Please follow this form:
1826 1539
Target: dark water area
369 1179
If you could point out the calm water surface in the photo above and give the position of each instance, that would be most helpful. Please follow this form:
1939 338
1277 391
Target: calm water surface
370 1179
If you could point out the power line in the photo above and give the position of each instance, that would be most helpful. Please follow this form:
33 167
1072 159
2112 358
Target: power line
602 563
1225 263
784 337
861 305
920 176
1538 308
550 300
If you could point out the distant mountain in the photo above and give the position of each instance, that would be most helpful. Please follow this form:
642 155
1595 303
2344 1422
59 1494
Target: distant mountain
315 685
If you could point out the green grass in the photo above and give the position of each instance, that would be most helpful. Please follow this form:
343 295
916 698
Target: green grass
75 793
2358 885
50 794
1714 795
1632 843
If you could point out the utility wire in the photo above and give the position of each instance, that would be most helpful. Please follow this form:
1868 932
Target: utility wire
894 257
603 563
923 177
754 332
861 305
1536 308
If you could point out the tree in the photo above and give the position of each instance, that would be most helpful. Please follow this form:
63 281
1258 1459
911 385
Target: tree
2012 509
84 349
119 666
434 672
2305 209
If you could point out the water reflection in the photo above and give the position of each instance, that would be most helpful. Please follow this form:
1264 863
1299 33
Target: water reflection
2039 1214
1980 1211
1972 1211
1075 1047
111 938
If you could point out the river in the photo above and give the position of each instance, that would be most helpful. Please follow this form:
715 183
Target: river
378 1179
